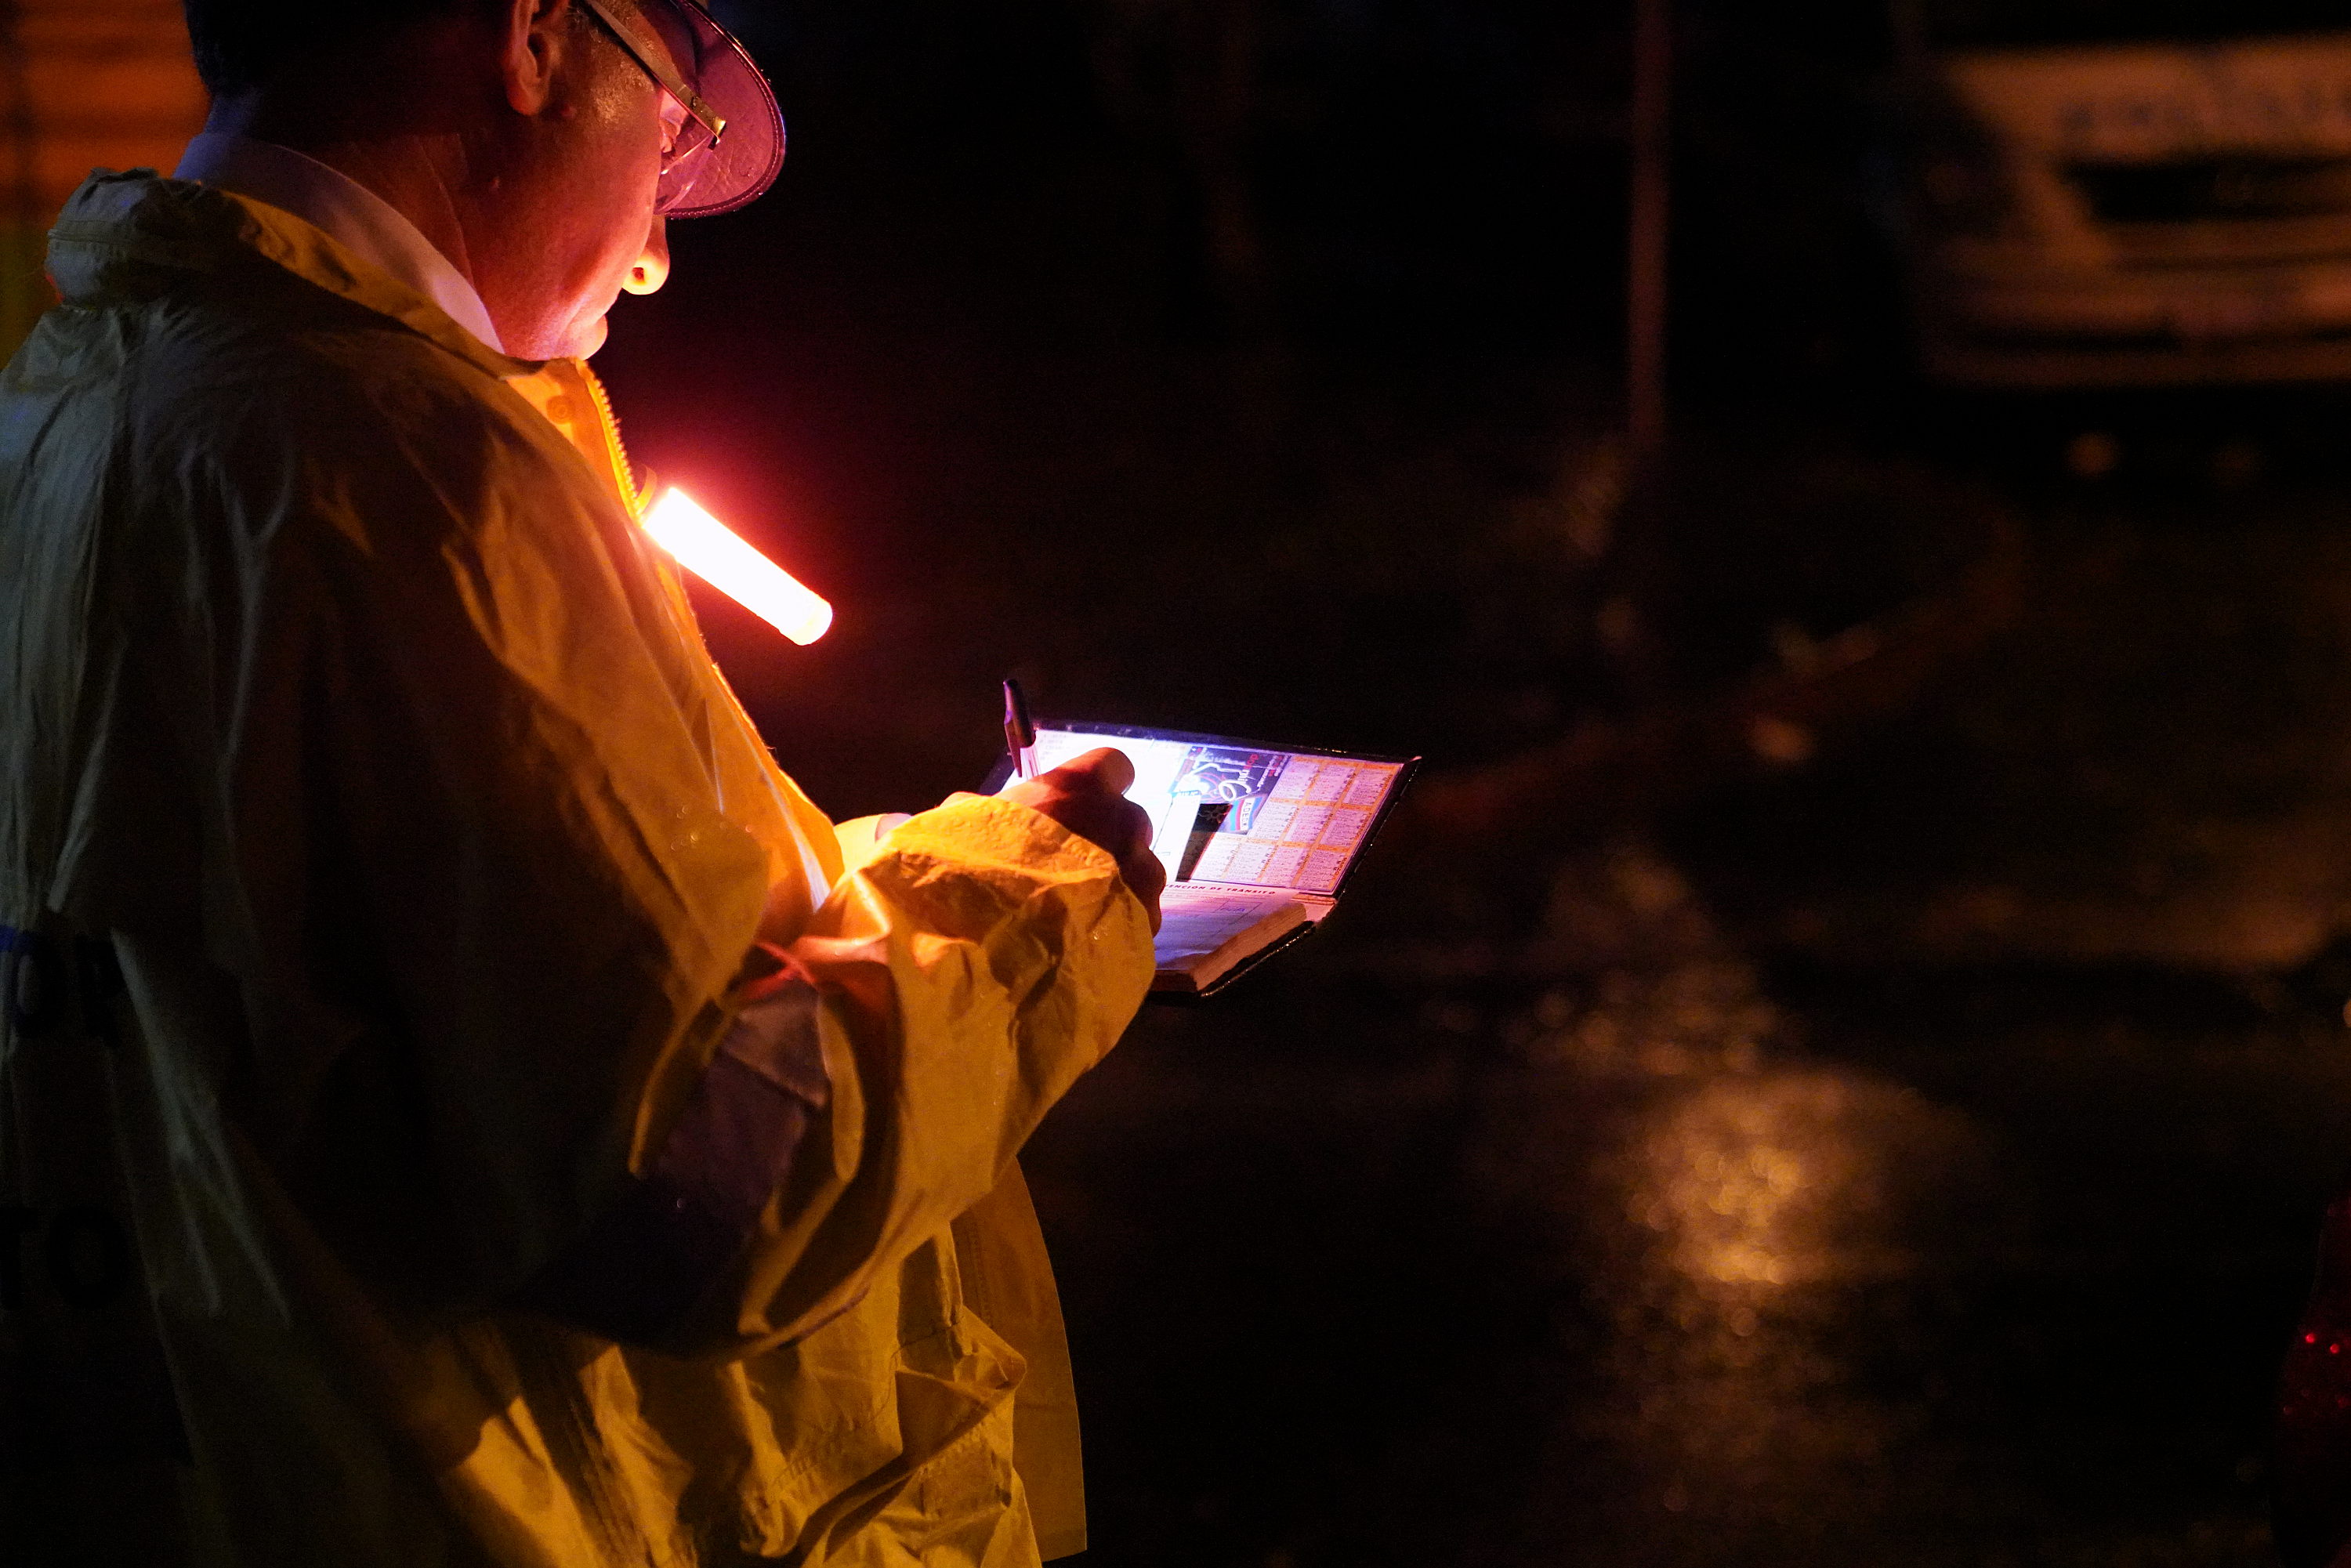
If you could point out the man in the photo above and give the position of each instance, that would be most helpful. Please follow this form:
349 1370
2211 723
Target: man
462 1106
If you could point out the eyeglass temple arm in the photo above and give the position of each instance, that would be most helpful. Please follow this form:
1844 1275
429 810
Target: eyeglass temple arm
652 57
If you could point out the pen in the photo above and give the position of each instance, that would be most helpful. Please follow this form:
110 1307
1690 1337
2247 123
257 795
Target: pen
1020 731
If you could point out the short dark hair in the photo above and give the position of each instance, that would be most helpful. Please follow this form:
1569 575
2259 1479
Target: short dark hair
242 45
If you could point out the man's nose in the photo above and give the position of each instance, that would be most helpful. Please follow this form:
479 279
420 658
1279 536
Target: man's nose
651 269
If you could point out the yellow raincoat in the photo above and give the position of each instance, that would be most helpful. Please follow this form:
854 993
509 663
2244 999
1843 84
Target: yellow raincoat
379 857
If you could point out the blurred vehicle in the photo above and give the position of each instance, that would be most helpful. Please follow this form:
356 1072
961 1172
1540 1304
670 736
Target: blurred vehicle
2115 211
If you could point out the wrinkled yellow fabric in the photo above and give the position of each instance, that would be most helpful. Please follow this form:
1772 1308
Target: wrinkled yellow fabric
345 696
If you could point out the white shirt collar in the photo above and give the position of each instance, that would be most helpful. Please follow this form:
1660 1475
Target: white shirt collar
355 216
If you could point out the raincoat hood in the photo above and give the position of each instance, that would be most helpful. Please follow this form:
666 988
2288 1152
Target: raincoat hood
124 238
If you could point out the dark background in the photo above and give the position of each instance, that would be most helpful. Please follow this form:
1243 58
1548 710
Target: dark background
1842 1058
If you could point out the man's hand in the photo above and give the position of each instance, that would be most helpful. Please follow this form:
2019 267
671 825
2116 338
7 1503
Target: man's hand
1087 795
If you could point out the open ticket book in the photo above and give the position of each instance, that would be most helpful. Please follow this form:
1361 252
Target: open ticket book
1257 841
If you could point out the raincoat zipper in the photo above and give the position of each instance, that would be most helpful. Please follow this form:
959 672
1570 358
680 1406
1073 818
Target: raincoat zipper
610 422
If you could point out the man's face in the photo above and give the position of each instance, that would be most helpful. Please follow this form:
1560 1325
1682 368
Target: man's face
586 228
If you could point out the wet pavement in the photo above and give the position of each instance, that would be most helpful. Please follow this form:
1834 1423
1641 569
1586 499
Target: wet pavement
1686 1264
1907 1151
1701 1190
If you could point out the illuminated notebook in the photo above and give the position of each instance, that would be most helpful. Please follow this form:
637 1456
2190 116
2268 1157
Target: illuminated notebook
1258 840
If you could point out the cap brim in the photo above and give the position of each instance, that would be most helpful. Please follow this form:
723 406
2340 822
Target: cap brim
742 163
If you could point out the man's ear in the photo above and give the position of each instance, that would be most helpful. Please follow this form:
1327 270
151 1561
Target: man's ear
535 33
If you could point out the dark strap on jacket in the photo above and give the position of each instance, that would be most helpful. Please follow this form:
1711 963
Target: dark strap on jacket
660 1245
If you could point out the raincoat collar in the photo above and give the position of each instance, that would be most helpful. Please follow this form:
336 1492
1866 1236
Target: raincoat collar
117 229
365 224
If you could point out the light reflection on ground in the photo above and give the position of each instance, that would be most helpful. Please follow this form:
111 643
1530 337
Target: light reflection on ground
1625 1263
1792 1176
1723 1204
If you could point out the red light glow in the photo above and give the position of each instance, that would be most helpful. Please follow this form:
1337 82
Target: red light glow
711 551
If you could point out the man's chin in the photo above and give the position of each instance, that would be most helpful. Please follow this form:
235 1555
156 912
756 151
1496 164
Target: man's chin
586 339
577 341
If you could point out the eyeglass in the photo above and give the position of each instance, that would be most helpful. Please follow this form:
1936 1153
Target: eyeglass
698 178
706 123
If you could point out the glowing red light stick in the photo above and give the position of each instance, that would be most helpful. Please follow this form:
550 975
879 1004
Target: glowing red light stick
710 549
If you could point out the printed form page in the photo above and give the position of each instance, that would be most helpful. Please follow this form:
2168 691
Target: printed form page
1289 822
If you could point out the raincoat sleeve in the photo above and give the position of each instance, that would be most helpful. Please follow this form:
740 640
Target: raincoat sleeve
489 913
954 986
881 1073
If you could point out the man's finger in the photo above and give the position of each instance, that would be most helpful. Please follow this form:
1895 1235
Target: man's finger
1147 880
1106 765
1146 873
1137 823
